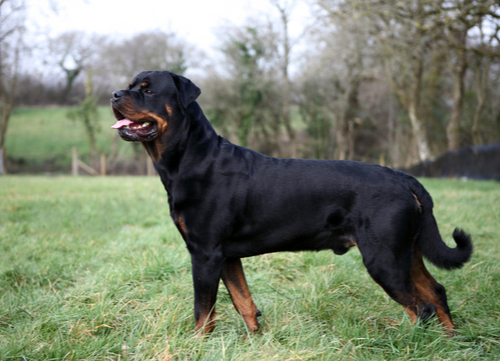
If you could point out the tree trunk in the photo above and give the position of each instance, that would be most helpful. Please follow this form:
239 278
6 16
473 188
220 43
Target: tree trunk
413 106
5 111
476 135
345 133
71 75
286 81
418 133
458 69
453 128
7 100
3 169
481 91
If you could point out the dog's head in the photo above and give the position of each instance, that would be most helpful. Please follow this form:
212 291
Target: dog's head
151 101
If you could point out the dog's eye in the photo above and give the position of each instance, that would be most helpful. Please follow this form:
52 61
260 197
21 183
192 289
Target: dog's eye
148 92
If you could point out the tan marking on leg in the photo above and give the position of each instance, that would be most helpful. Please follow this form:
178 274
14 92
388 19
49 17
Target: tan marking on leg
418 203
206 322
410 300
426 284
181 226
413 315
234 279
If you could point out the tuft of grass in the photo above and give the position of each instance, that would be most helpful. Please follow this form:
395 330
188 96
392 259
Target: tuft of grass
94 269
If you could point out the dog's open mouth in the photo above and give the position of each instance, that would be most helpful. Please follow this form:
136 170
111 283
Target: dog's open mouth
140 130
136 127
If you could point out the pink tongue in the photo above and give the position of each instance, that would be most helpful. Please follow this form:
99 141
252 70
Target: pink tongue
122 123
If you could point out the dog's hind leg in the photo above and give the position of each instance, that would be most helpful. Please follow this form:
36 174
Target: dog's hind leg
432 290
392 271
234 279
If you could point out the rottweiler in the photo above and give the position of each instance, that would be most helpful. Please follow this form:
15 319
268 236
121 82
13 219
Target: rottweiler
230 202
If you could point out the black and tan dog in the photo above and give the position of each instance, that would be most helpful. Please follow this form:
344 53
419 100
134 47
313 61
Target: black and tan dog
230 202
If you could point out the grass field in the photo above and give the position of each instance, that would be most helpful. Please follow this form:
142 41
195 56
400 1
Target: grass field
93 269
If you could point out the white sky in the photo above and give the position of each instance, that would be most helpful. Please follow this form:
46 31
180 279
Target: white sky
193 20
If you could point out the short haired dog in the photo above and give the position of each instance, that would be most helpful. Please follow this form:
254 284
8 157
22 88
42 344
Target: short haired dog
229 202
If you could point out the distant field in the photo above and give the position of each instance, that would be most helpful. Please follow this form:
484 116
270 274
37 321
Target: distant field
43 138
93 269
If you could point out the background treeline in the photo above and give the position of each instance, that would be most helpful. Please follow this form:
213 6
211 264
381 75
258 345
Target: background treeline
391 82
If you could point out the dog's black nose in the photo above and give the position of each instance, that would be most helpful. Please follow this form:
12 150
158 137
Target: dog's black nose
116 95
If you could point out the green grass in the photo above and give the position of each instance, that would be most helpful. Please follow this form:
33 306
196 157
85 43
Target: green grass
93 269
43 137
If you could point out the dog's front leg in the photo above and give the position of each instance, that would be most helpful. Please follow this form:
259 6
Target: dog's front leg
234 279
207 267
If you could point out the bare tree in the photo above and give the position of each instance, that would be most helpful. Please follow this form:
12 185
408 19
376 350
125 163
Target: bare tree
73 52
87 113
339 61
11 36
285 8
404 32
248 100
317 91
121 60
487 54
459 18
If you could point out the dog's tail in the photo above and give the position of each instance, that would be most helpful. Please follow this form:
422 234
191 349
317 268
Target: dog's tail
430 242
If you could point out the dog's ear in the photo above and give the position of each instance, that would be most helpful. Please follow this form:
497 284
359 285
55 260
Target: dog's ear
188 92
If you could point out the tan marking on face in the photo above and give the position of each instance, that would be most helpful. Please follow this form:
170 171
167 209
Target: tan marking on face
145 84
141 116
126 108
168 108
162 123
159 146
129 110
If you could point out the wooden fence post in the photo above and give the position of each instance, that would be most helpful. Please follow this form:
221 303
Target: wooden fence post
150 168
87 168
103 165
77 163
74 163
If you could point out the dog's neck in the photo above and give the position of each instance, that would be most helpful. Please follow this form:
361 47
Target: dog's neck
194 139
